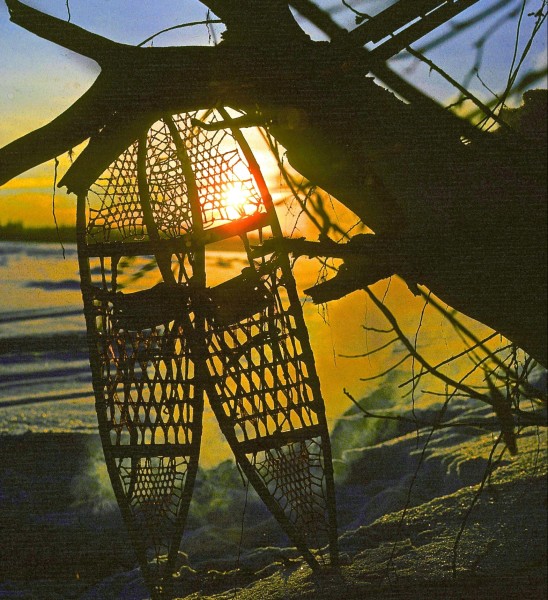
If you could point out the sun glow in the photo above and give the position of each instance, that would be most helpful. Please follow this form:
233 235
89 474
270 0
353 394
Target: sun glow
238 202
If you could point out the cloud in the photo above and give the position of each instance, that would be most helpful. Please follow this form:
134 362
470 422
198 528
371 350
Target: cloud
54 286
29 183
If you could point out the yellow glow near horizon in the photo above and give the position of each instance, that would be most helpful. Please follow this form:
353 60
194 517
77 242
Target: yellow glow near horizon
34 209
28 197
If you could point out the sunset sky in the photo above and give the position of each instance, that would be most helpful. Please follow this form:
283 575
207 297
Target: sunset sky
40 80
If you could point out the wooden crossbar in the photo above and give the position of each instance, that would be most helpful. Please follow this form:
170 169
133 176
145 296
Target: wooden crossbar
431 14
419 29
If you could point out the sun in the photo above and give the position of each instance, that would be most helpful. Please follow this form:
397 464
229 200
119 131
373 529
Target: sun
238 202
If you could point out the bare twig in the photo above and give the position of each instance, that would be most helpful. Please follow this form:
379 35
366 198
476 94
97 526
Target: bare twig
180 26
451 358
466 93
370 352
488 425
389 370
459 326
403 338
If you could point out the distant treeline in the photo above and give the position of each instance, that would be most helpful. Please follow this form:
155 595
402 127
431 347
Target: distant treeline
17 232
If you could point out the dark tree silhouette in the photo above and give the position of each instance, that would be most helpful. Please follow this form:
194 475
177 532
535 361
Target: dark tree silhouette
452 207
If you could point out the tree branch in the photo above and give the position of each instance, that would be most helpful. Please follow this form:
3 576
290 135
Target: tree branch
249 22
528 419
63 33
472 393
69 129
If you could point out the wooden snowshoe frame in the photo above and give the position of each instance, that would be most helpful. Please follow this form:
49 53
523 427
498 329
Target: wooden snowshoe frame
157 352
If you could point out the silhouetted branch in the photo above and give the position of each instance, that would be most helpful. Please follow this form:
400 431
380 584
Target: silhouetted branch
389 370
419 358
487 424
457 28
174 27
378 349
69 129
351 45
463 90
459 326
451 358
65 34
